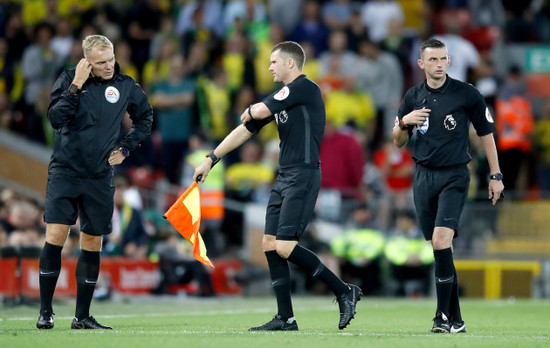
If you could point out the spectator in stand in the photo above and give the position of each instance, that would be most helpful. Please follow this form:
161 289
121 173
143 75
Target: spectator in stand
124 59
331 79
167 32
342 162
515 124
145 18
128 237
311 28
410 257
463 54
415 16
205 14
376 15
396 167
251 12
39 63
286 13
237 62
348 105
379 74
400 45
62 42
360 248
488 83
356 31
17 41
337 13
198 60
158 69
22 216
173 99
338 48
214 101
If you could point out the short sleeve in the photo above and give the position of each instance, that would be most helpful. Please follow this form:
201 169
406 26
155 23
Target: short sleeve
292 94
480 116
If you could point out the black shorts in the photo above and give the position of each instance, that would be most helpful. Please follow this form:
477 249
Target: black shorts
69 197
439 197
292 202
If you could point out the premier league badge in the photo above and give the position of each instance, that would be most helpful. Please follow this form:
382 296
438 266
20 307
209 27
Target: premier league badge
449 122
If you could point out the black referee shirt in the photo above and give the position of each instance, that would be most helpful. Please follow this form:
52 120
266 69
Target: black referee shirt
443 140
299 110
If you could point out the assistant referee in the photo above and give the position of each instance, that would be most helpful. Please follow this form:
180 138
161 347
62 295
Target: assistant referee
441 110
299 110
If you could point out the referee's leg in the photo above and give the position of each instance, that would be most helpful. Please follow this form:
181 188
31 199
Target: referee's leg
347 295
49 268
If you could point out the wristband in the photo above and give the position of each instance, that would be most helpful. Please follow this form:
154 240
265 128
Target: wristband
214 158
250 112
402 125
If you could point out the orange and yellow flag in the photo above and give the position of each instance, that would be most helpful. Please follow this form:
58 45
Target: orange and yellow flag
185 216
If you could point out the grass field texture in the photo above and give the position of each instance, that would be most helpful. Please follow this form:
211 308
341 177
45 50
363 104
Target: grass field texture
223 322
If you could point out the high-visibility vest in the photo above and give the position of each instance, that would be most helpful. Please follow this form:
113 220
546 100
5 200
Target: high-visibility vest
400 248
515 123
358 245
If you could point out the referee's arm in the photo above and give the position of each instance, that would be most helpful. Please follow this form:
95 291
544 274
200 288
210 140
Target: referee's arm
257 111
402 132
233 140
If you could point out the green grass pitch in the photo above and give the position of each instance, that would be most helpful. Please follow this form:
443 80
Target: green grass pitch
223 322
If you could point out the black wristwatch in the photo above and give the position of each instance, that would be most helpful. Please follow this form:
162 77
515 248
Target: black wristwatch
497 176
73 89
214 158
124 151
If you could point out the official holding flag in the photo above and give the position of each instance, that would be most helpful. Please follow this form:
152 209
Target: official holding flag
299 110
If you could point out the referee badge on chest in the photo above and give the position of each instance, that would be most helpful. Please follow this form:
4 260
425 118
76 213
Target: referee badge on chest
449 122
424 128
112 94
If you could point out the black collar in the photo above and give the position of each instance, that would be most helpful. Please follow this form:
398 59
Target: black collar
439 90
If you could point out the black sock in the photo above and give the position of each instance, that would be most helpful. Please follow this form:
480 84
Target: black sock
454 307
280 280
49 267
444 278
310 263
87 272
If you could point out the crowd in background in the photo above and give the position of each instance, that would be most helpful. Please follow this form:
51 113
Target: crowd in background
203 62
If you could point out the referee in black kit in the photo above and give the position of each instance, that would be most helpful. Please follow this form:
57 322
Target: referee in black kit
299 110
442 109
87 105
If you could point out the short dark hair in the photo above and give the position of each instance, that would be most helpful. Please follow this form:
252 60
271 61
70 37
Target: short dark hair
293 50
431 43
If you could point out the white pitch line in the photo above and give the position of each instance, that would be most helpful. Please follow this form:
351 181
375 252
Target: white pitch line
182 314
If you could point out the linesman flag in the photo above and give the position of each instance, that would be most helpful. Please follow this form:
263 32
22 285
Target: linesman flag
185 216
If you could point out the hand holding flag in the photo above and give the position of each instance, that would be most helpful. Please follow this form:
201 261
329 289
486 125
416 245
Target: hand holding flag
185 216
